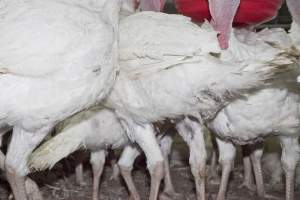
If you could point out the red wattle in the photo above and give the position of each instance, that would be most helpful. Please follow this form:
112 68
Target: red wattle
250 12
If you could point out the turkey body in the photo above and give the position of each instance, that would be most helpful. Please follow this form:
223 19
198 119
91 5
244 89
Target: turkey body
271 111
99 127
35 63
150 66
56 58
267 112
162 77
97 130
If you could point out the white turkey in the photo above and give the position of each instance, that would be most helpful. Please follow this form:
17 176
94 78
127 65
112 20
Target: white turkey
245 130
64 61
56 58
161 81
165 78
270 111
97 130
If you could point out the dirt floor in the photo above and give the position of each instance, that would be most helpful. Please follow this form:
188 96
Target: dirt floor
59 184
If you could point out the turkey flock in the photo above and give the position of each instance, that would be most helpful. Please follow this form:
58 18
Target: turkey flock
116 74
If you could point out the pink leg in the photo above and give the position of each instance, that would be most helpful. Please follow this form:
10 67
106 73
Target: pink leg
257 168
115 169
16 181
294 7
289 160
248 176
20 147
79 174
169 191
226 159
256 161
97 160
126 161
192 133
32 190
144 136
213 175
79 168
223 12
166 145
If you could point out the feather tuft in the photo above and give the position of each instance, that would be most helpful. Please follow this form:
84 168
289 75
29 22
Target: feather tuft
52 151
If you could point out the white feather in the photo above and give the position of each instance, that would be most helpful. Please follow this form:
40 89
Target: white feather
63 62
95 129
57 57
